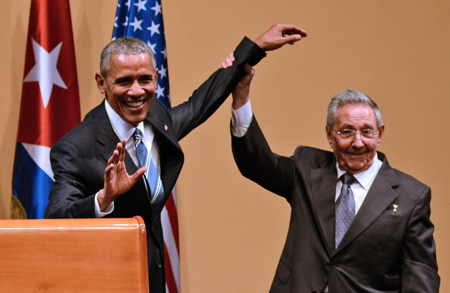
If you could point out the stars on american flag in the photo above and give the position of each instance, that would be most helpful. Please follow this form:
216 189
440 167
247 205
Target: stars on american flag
143 19
136 24
141 5
154 28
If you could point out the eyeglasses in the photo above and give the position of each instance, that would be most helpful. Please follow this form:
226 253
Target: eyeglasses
348 133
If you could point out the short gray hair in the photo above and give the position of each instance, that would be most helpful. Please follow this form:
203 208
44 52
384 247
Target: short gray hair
125 46
350 97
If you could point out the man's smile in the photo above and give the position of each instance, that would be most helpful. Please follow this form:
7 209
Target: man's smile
135 104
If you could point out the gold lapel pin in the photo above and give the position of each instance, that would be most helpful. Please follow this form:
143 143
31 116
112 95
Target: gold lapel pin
395 208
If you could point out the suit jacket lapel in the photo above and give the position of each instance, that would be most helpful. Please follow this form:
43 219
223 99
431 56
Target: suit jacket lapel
323 190
171 155
379 197
108 140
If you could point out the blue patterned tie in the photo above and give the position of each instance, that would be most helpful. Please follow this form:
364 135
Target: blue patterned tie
345 207
151 175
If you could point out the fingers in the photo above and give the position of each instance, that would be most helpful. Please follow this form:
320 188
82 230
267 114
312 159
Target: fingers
279 35
290 29
228 61
114 159
249 73
121 147
119 153
108 171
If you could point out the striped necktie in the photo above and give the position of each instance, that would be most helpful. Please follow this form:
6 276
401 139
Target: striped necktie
156 190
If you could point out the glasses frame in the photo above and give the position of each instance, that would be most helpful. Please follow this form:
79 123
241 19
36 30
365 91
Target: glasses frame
353 133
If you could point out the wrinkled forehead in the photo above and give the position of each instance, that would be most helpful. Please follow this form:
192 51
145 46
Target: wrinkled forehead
355 115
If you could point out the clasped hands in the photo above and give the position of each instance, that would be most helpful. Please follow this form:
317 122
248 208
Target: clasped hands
275 37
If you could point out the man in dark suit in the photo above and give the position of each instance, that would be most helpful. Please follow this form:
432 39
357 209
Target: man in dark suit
370 234
100 169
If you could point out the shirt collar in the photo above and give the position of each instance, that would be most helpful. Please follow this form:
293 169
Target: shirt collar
365 178
122 128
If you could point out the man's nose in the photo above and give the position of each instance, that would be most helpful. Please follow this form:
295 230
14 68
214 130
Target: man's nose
136 90
357 140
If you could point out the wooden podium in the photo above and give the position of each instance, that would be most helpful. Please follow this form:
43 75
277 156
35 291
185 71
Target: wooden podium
73 255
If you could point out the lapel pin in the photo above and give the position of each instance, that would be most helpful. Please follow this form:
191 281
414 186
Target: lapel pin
166 127
395 208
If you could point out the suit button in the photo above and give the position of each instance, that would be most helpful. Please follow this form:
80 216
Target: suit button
333 265
158 264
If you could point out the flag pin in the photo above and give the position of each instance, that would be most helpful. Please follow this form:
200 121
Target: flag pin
166 127
395 208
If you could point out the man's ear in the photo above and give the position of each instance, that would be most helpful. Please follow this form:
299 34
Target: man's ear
156 76
328 132
101 83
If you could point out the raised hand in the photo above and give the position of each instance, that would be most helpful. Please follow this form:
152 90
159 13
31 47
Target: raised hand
279 35
275 37
117 180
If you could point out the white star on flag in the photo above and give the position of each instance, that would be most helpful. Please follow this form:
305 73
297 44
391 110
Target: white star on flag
45 71
128 4
159 92
162 72
164 53
141 5
156 8
154 28
152 46
136 24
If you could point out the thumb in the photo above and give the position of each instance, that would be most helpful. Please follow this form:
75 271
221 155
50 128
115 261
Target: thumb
138 174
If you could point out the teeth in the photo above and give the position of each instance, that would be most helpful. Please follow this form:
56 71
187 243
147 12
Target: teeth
134 104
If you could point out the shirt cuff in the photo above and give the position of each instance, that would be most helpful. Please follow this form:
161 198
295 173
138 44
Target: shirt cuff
98 212
241 119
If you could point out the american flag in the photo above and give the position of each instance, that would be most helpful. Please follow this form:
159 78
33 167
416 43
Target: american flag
50 105
143 19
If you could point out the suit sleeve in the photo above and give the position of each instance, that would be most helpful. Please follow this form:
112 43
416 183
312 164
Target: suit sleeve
258 163
214 91
69 197
419 267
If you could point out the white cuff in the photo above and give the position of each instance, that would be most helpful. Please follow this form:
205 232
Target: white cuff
98 212
241 119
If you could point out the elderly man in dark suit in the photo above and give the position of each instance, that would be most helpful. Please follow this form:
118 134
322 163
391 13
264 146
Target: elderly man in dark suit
124 158
357 224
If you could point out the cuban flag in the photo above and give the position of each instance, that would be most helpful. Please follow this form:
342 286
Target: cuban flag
143 19
50 104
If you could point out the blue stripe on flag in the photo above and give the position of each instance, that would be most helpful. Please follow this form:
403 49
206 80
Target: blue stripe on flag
31 185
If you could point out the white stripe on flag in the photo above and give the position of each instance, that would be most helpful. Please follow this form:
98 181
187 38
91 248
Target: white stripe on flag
175 196
172 250
41 155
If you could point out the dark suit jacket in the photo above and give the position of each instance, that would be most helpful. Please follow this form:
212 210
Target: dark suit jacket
383 250
79 159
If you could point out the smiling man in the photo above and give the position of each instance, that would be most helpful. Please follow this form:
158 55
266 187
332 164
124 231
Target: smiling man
124 158
357 224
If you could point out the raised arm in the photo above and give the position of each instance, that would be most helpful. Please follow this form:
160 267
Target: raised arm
275 37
